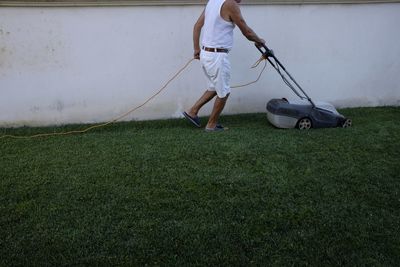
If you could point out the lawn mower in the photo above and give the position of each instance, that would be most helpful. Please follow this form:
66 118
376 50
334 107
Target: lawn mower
304 113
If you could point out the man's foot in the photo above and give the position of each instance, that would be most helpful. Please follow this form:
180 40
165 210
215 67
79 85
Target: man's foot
194 120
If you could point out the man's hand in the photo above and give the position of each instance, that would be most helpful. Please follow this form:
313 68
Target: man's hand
196 54
260 43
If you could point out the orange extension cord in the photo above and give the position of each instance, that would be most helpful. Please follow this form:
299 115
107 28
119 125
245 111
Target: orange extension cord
133 109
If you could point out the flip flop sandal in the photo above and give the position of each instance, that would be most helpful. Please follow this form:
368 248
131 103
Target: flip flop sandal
218 128
194 120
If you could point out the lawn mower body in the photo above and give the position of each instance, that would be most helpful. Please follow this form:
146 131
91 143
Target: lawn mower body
301 114
304 113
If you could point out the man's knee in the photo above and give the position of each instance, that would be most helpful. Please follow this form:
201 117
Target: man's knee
211 92
225 97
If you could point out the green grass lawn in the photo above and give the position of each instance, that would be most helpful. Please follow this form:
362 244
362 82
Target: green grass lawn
164 193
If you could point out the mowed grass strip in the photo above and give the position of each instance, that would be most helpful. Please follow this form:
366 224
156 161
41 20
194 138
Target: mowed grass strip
165 193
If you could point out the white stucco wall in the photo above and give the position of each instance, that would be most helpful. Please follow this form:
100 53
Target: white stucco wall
74 65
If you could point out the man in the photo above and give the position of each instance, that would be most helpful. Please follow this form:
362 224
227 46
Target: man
216 24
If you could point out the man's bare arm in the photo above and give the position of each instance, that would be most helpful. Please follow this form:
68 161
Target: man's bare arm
196 35
236 17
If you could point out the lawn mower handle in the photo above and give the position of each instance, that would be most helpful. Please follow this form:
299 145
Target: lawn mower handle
269 53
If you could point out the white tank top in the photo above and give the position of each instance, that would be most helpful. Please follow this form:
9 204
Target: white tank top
216 32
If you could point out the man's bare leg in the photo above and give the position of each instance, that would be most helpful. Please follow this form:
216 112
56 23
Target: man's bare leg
204 99
219 105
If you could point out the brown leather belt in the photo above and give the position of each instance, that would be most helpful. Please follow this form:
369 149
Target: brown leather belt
218 50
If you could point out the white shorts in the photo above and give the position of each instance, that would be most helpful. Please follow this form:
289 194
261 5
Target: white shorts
217 68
